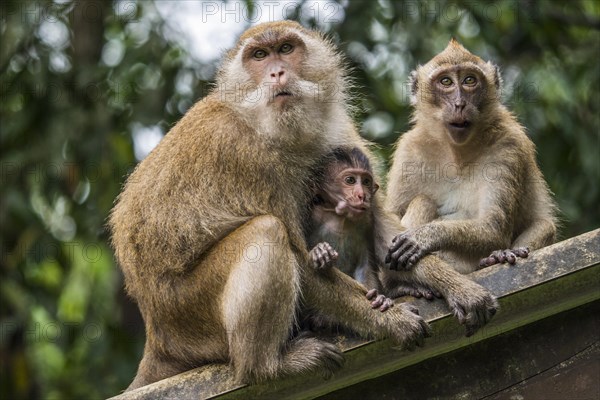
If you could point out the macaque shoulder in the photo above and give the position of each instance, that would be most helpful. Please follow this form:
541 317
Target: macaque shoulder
198 122
419 142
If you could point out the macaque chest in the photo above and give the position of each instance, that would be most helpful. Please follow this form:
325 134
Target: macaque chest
457 197
350 242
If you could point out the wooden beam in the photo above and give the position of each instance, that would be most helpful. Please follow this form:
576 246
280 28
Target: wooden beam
553 279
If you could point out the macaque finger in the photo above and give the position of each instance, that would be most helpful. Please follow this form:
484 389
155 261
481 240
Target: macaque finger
486 262
410 252
459 312
319 256
394 260
413 260
501 257
387 304
378 302
397 242
315 258
522 252
371 294
326 257
511 258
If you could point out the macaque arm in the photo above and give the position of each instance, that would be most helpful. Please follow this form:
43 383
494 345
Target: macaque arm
403 178
471 303
386 226
540 233
420 211
465 236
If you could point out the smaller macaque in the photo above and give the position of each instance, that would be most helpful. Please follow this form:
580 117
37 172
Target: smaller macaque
461 127
341 231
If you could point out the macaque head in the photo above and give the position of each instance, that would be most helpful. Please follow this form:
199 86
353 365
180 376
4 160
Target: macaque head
456 88
347 184
281 66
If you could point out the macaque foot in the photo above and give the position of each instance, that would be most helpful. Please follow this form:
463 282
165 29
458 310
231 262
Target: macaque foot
380 302
309 353
405 251
323 256
501 256
410 329
473 305
414 290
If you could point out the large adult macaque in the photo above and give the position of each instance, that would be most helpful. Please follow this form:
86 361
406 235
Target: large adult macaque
465 179
208 229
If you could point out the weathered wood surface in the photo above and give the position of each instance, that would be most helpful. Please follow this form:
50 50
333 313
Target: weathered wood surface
555 358
557 278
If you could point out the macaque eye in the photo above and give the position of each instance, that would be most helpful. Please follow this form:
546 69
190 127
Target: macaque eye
286 48
446 81
367 182
259 54
350 180
470 80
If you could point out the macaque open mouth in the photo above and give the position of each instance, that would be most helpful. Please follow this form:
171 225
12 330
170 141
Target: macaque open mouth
460 125
283 93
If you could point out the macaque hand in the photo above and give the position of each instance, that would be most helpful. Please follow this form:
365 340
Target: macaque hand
380 302
501 256
323 256
407 249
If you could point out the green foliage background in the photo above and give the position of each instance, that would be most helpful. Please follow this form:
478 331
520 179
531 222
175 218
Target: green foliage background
66 327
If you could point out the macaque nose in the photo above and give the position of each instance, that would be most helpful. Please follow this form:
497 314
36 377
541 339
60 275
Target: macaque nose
278 75
460 104
360 194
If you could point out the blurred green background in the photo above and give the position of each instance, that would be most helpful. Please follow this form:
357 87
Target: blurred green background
87 87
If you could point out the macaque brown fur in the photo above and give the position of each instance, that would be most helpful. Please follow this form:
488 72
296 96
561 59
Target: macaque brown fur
208 228
464 179
340 232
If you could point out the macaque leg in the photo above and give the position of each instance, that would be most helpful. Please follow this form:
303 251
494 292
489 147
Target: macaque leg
153 368
420 211
339 296
259 304
471 303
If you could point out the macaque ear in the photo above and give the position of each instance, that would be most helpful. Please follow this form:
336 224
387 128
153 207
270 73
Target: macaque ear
375 187
413 82
497 75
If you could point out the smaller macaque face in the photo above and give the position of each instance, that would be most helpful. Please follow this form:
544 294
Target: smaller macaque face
460 92
350 190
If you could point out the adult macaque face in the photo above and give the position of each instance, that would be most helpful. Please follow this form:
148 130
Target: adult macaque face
275 65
